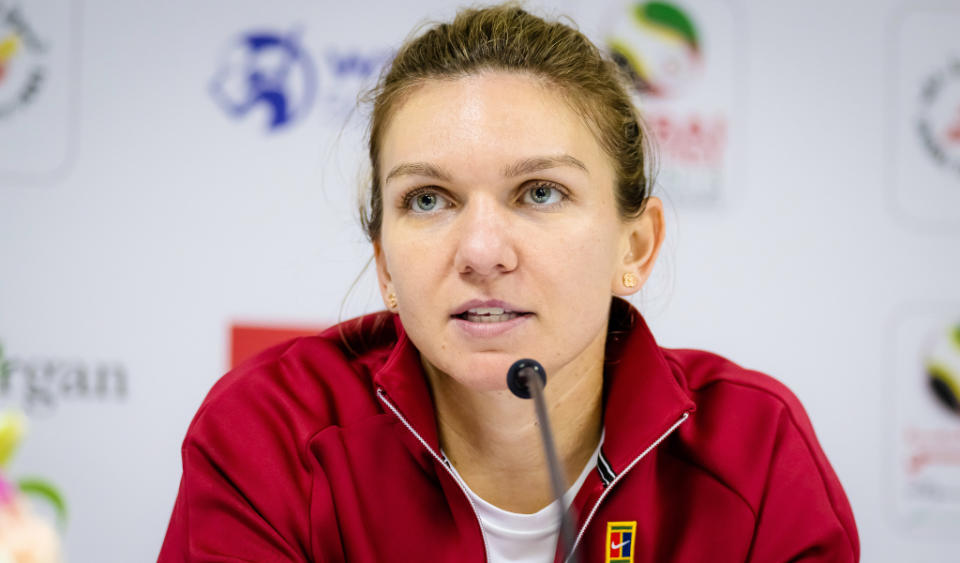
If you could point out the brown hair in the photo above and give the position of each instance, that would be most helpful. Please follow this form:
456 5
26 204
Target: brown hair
507 38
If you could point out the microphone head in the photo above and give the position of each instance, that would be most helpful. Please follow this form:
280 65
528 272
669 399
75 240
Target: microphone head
519 371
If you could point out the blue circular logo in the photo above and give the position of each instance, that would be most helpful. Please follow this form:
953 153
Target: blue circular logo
266 70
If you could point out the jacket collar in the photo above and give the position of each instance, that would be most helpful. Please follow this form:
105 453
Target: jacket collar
405 384
642 396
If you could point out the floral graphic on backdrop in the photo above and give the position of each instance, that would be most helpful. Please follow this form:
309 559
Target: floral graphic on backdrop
25 536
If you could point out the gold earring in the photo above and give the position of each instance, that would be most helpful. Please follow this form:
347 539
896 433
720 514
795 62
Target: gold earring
392 300
629 280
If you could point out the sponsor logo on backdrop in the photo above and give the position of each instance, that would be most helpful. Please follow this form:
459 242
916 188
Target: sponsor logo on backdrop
923 170
273 74
267 71
938 123
40 385
23 54
927 418
661 47
39 56
347 73
247 340
660 51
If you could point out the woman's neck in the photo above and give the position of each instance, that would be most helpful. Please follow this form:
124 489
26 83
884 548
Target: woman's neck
493 438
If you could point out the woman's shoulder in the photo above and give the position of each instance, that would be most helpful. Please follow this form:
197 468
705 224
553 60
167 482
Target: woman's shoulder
305 384
750 433
706 374
735 404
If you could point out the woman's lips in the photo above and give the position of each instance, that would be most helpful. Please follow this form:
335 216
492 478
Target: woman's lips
489 315
486 307
485 318
488 326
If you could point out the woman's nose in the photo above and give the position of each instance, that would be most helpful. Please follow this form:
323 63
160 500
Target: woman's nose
485 243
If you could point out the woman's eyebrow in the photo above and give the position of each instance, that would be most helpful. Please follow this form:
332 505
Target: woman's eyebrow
417 169
519 168
538 163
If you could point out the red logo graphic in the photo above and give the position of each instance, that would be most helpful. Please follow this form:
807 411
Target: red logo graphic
691 139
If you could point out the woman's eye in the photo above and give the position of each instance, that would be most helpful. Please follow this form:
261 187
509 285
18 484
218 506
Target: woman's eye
424 201
543 194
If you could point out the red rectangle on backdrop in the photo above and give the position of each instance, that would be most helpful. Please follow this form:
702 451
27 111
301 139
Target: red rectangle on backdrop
247 340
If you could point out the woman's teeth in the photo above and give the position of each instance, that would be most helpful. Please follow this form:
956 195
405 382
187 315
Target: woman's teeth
489 315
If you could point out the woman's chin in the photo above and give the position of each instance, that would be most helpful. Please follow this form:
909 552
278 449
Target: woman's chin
483 374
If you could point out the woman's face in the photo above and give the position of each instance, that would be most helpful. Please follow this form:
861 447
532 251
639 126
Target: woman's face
501 237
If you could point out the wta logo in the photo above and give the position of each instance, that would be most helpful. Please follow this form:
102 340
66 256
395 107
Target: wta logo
658 46
619 546
269 71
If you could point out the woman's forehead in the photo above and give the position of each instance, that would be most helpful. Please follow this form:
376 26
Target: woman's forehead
493 116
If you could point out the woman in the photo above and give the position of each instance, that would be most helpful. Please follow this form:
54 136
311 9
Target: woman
509 212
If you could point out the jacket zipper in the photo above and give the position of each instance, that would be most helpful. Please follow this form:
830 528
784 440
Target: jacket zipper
383 398
609 487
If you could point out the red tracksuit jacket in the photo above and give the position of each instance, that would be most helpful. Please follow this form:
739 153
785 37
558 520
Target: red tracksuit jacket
309 452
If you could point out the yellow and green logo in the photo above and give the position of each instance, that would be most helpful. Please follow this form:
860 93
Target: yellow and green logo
658 45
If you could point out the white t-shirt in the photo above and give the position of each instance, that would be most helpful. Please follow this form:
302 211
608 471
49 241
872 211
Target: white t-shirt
524 538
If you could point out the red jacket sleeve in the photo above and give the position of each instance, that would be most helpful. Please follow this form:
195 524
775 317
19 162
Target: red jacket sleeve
245 490
248 481
803 513
218 517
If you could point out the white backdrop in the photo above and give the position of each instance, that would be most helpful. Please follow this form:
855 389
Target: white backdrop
139 221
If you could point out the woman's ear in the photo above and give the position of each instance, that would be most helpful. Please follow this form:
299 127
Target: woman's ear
639 246
384 281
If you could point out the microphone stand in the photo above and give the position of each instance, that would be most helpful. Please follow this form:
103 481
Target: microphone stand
526 379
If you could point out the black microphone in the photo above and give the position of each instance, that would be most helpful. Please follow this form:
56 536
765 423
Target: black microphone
526 378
